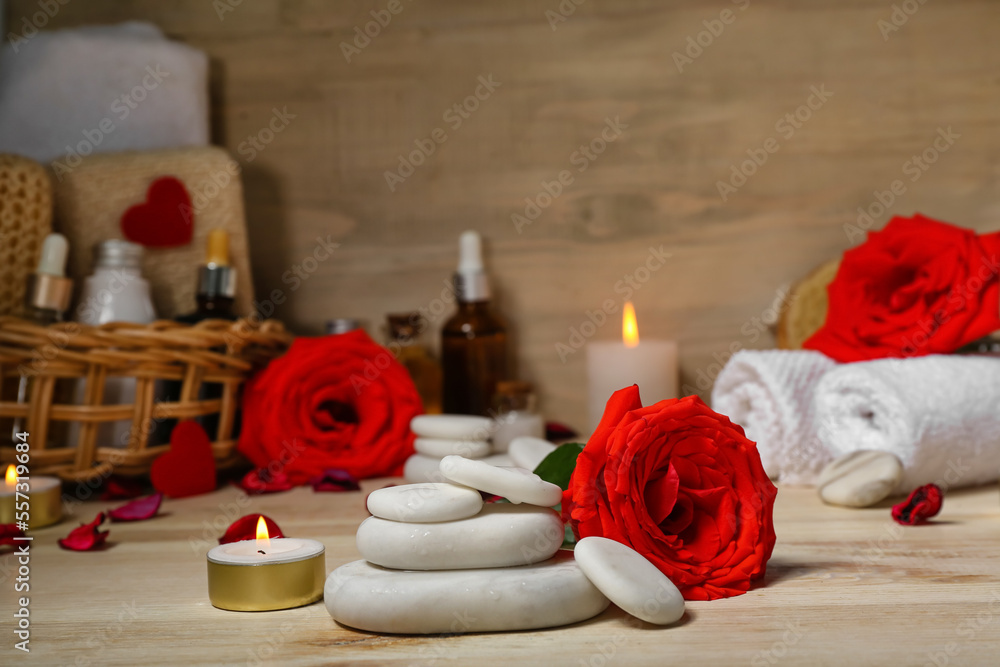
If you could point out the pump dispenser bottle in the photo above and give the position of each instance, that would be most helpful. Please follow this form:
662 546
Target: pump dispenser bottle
474 340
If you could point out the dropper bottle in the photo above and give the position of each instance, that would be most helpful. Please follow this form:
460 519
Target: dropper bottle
474 340
49 290
46 301
216 282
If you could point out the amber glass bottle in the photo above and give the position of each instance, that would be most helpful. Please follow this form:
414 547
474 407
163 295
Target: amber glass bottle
423 369
474 340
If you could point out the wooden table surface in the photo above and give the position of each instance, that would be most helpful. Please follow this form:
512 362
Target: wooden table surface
844 587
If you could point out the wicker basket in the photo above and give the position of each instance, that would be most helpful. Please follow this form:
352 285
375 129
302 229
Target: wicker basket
58 358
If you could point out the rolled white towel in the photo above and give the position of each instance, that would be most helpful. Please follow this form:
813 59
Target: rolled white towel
65 94
769 393
939 414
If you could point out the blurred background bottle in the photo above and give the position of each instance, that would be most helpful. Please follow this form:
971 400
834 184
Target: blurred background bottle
474 340
515 415
422 367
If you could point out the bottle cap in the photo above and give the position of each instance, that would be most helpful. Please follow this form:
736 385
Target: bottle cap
52 261
117 254
216 278
470 278
217 252
49 288
341 325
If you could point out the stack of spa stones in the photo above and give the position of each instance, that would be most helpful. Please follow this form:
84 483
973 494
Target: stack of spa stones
439 560
439 436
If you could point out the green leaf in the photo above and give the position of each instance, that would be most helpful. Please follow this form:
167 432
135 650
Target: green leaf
558 466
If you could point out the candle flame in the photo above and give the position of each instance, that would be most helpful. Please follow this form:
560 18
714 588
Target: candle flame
11 476
263 539
630 330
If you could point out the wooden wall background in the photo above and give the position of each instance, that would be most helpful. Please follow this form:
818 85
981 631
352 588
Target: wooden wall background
656 185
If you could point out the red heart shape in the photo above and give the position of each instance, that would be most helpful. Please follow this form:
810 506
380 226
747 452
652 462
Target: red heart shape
188 467
165 219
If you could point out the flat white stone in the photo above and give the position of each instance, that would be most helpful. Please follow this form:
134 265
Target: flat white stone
367 597
500 460
527 452
423 503
470 449
420 468
515 484
452 427
860 479
629 580
501 535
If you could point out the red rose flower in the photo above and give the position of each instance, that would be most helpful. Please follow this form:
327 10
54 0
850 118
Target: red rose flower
917 287
331 402
680 484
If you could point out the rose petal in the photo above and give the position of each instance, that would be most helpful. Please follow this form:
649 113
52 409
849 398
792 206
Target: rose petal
85 537
556 431
334 480
121 488
922 503
137 510
245 528
257 482
8 531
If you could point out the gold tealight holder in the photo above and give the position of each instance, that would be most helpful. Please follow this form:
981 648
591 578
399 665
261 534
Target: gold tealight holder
44 504
266 574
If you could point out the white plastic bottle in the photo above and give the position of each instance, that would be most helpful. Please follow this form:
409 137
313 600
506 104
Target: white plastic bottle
116 292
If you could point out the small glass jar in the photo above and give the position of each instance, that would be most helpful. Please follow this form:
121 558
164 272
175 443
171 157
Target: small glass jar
515 415
422 367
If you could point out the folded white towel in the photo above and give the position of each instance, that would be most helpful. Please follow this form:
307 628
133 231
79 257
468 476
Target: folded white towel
939 414
68 93
769 393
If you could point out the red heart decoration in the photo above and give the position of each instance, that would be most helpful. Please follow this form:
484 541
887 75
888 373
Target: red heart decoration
188 467
165 219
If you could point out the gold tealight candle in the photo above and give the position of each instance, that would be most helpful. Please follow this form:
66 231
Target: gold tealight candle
265 574
44 500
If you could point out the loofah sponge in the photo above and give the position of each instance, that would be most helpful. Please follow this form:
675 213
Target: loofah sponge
25 220
804 312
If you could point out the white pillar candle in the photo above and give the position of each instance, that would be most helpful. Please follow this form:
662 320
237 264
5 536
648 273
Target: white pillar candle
651 364
265 574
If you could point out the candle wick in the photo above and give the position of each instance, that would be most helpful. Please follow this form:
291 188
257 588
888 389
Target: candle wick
261 551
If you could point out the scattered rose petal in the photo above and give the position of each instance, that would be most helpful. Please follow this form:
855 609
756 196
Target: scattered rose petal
86 536
555 431
121 488
138 510
245 528
8 531
260 481
922 504
335 480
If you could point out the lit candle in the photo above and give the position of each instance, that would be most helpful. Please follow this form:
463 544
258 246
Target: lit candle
264 574
44 500
651 364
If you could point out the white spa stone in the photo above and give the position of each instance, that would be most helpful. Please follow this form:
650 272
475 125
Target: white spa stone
470 449
451 427
420 468
423 503
501 535
629 580
527 452
367 597
501 460
860 479
515 484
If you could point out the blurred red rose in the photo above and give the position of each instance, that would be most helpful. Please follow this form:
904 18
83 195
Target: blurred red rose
917 287
680 484
339 401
